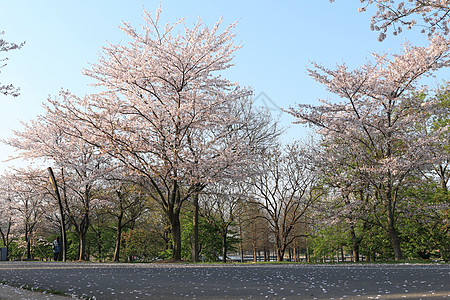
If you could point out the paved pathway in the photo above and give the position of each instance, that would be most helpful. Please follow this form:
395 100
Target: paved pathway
177 281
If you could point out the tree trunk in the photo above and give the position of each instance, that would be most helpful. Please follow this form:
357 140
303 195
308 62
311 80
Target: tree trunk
241 251
280 253
307 251
195 242
28 245
355 252
99 244
395 240
82 247
3 237
83 229
174 218
224 247
118 238
444 178
254 254
241 243
61 212
355 244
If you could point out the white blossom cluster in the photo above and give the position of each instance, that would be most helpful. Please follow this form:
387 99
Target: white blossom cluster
431 16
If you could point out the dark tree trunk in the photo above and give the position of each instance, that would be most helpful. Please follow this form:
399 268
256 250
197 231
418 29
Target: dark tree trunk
174 218
61 212
241 244
224 247
27 240
99 244
83 229
307 258
118 237
280 253
5 237
355 244
393 234
355 252
241 252
195 242
395 240
82 247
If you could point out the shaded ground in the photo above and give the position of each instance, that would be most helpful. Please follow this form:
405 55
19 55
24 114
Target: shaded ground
171 281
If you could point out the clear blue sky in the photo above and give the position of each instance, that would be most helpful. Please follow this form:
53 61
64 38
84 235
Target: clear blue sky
280 40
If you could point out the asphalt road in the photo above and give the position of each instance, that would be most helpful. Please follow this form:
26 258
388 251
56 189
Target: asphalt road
176 281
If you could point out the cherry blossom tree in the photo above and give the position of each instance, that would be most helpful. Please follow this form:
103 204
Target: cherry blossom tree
376 120
167 114
431 15
7 216
81 167
27 198
5 47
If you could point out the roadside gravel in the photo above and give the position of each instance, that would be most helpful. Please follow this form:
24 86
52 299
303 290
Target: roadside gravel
14 293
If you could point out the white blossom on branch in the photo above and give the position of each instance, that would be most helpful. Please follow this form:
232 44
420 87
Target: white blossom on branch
431 16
